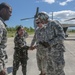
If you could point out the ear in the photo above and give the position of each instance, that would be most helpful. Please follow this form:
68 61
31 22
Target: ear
3 10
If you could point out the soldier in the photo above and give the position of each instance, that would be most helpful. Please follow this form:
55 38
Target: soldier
20 53
5 13
40 36
49 37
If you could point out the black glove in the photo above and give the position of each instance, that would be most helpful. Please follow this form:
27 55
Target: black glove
45 44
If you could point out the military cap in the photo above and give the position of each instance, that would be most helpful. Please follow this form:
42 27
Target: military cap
43 16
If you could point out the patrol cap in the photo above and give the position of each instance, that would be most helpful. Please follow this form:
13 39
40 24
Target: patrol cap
43 16
4 5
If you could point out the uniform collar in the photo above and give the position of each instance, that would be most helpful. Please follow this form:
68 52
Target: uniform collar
3 21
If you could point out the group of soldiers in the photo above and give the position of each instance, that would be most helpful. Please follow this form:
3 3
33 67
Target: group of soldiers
49 39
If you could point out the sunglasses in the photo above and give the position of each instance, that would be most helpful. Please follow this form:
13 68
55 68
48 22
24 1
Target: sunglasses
38 22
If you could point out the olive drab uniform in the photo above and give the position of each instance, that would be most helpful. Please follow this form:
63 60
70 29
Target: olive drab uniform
3 40
20 54
50 59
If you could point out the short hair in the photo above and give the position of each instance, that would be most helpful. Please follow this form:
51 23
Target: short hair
4 5
19 27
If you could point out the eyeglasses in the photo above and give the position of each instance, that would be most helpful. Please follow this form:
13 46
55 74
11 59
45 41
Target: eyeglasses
38 22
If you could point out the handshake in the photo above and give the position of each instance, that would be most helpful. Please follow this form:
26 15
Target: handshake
45 44
32 47
29 48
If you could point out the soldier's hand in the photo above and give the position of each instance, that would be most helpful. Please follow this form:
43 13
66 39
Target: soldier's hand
41 43
45 44
32 47
27 47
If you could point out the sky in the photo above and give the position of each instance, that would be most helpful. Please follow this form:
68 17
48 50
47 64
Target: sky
62 10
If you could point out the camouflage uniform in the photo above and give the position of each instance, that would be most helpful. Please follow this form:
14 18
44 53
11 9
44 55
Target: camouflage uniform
20 54
41 53
53 56
3 40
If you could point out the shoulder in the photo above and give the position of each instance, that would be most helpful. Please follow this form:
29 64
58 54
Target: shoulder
2 25
56 24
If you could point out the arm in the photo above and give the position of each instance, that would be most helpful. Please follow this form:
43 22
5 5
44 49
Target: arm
1 30
1 33
59 34
2 70
18 42
33 40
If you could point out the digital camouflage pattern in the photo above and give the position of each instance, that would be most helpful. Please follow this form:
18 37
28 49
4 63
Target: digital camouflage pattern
3 40
20 54
50 59
56 50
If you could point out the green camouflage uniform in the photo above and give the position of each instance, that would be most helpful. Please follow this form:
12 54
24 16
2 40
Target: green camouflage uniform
53 56
20 54
3 40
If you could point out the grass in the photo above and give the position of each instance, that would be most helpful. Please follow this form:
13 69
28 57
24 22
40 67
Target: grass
12 33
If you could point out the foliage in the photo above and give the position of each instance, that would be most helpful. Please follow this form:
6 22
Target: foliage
12 30
72 31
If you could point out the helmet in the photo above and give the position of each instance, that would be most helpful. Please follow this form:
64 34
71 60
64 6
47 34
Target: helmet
43 16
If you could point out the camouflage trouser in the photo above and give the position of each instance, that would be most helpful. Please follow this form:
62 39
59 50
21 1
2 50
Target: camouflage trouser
3 57
56 63
16 63
41 60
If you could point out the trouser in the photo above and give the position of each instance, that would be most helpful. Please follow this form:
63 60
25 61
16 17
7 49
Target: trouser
55 63
41 60
16 64
3 58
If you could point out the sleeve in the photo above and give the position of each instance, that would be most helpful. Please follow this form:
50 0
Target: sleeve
1 33
25 34
59 34
1 66
33 40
